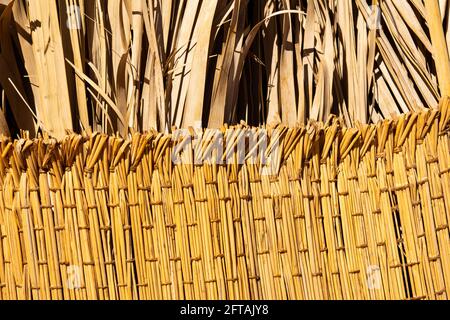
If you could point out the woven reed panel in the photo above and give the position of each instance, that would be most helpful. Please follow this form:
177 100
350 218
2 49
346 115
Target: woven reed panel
337 213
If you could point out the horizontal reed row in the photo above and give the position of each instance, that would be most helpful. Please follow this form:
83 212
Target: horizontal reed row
334 213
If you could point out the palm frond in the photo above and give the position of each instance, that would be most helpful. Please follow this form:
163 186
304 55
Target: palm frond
125 66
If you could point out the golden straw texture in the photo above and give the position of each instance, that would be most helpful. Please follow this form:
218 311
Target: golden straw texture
336 213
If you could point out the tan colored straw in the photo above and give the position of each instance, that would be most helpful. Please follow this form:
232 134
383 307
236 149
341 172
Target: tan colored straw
323 212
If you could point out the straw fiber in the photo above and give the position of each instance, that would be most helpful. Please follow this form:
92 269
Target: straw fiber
336 213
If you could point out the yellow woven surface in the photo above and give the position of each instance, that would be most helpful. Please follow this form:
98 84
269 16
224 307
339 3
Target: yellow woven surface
350 214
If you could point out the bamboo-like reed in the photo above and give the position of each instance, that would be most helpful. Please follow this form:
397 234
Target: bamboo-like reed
343 213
